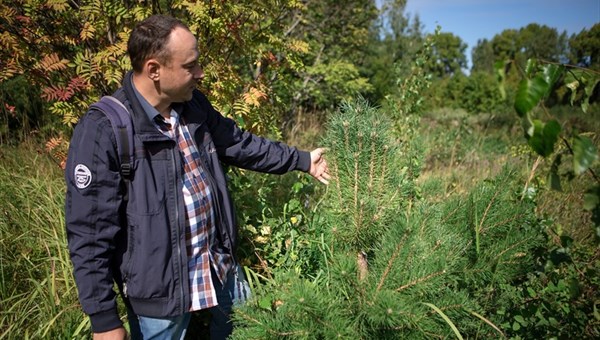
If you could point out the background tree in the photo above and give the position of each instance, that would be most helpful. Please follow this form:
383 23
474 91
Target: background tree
584 48
482 57
337 33
448 55
395 39
506 45
542 42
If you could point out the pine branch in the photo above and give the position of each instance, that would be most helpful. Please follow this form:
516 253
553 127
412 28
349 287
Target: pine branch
423 222
382 207
383 168
451 214
356 181
391 261
511 247
503 222
486 211
281 334
246 317
336 172
372 163
420 280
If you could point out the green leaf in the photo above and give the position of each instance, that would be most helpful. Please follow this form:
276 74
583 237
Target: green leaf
530 67
528 126
529 94
499 69
590 201
265 303
584 154
519 319
551 74
544 137
573 85
588 90
553 176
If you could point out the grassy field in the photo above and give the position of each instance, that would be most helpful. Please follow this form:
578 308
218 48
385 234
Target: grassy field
38 299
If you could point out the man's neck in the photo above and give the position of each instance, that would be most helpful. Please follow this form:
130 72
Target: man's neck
149 90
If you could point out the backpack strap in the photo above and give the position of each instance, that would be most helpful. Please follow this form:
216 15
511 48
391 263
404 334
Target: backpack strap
120 120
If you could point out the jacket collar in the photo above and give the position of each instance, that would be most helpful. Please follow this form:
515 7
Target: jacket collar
142 123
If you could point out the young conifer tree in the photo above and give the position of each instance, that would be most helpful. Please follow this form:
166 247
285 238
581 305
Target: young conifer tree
394 266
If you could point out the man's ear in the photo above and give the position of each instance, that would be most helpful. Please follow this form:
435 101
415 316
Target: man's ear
152 68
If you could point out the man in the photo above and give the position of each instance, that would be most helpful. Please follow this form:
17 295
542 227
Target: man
167 237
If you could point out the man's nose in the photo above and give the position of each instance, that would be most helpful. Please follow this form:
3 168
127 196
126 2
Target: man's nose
199 74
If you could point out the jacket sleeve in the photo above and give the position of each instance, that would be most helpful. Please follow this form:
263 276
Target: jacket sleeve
92 217
246 150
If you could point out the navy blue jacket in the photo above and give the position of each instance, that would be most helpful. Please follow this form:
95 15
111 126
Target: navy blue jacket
140 243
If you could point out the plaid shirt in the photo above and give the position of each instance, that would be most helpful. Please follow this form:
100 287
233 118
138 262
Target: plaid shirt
202 244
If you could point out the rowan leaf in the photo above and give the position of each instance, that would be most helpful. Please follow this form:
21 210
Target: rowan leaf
52 62
87 32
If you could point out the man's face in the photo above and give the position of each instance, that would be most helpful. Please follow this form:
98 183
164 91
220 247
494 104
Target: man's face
180 74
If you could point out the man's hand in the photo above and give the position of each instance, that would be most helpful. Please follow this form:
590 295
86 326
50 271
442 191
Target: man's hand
318 166
115 334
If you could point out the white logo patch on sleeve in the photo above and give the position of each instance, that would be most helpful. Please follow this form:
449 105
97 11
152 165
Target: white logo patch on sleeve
83 176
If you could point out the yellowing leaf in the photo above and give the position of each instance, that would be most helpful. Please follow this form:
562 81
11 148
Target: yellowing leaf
254 96
87 32
57 5
52 62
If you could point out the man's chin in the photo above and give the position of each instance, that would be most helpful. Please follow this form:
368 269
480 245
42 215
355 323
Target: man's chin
187 97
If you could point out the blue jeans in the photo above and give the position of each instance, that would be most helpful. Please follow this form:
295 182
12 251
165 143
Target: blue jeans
145 328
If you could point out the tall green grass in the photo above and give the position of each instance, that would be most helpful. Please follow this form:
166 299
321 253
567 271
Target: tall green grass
38 297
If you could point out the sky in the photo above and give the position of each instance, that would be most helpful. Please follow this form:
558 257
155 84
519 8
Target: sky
472 20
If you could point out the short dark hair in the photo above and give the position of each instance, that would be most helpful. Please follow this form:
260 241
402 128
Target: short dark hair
149 39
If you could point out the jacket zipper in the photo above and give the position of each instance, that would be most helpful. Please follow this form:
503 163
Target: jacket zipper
177 219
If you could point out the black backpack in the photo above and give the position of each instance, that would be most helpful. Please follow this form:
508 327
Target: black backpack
122 126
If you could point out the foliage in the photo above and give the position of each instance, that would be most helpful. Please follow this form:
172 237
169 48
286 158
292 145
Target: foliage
561 301
542 42
479 147
276 220
21 113
75 52
476 93
542 136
